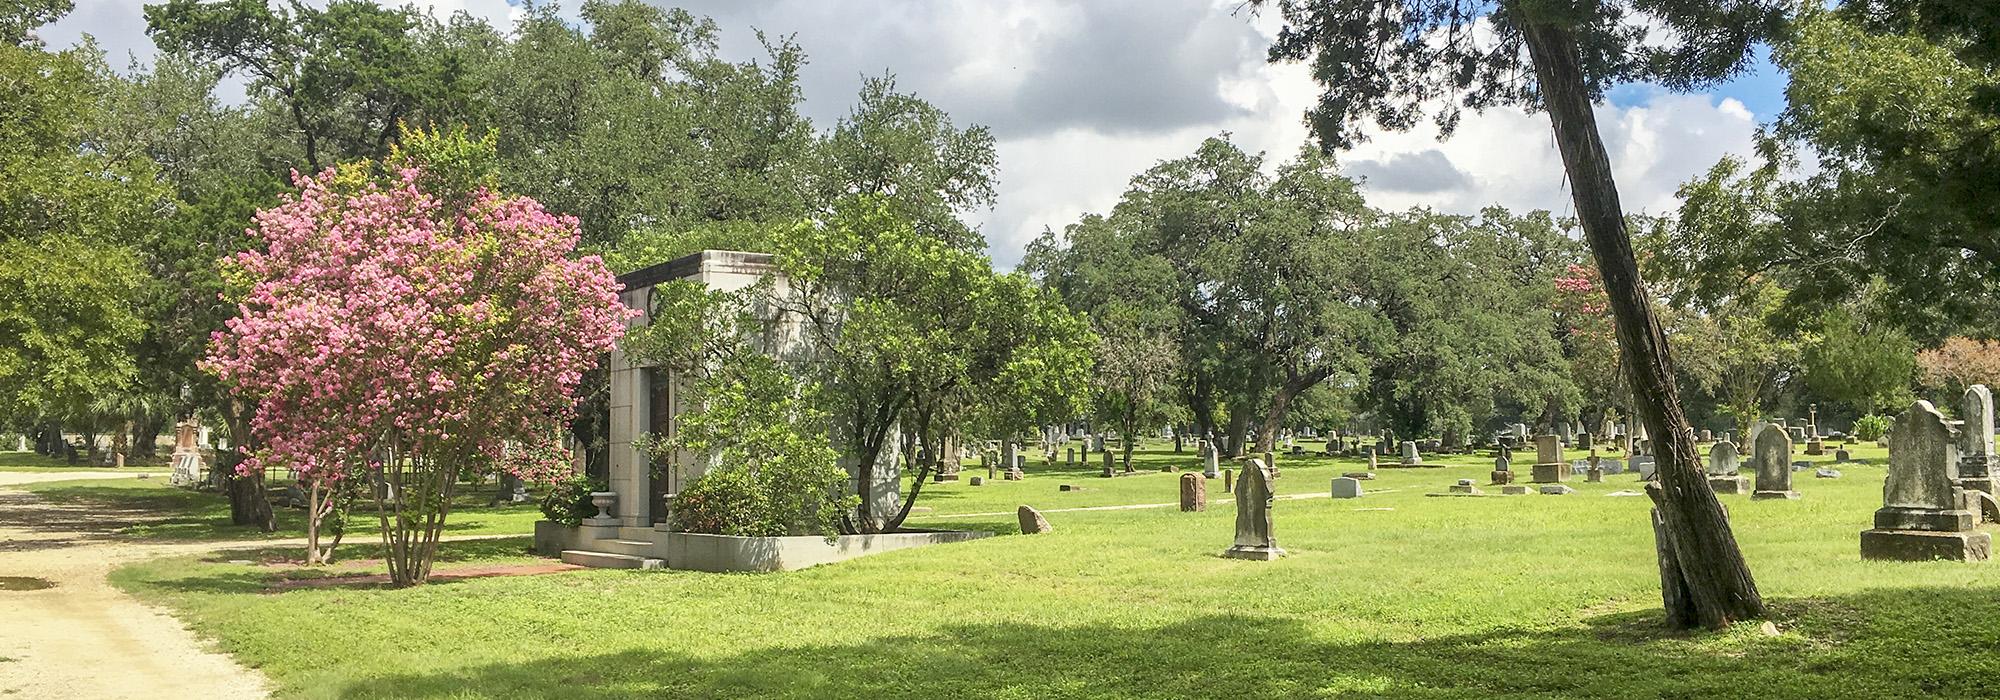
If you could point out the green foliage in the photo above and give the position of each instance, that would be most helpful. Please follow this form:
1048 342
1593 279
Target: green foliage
1872 427
1266 288
70 284
908 333
756 434
1862 364
1894 104
568 500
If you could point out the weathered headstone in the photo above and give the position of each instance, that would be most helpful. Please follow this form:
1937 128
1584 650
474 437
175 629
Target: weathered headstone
1465 486
1723 465
1557 490
1707 436
1109 465
977 481
1594 474
1346 487
1771 455
1210 461
1975 444
1923 514
1410 456
1364 476
1503 472
1254 537
1549 467
1842 456
1032 522
1194 493
1228 481
1826 473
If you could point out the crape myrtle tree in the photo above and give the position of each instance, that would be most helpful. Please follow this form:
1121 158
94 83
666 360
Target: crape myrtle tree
907 334
410 324
1391 61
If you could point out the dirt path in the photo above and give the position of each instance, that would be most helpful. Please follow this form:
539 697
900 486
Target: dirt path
82 638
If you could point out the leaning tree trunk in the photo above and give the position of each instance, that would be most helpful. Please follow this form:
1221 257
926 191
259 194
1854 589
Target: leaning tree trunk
1697 547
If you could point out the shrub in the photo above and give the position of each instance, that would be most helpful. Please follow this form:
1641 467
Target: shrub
1871 427
568 501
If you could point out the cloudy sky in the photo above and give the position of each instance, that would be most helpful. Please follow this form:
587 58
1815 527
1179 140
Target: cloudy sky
1083 94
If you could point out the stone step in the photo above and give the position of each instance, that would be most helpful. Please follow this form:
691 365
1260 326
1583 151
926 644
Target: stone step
607 560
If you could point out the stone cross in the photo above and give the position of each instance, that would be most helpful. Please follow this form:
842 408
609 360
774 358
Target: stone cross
1254 537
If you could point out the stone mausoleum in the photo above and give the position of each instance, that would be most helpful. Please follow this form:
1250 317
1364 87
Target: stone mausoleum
646 399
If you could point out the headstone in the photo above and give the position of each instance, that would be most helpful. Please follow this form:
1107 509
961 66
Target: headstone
1254 538
1032 522
1014 473
1516 490
1707 436
1108 466
1210 461
1771 455
1066 487
1549 467
1465 486
1826 473
1228 481
1194 493
1503 472
1271 462
1643 464
1364 476
1557 490
1975 444
1069 456
1923 514
1410 456
1842 456
1010 454
976 481
1594 474
1346 487
1723 468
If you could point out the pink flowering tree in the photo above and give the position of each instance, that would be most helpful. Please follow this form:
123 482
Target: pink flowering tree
405 337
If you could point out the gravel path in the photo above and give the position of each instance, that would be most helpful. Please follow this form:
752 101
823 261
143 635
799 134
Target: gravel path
82 638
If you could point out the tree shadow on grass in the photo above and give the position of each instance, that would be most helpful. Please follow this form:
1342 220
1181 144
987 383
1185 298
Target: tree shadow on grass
1886 643
279 562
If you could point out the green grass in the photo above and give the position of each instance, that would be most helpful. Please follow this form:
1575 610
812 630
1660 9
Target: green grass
1395 594
149 509
31 462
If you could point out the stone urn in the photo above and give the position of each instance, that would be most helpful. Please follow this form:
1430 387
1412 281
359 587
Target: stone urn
603 500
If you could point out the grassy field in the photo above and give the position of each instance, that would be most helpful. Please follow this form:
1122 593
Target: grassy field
31 462
1395 594
149 509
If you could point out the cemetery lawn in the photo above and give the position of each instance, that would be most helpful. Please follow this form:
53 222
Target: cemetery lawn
151 510
31 462
1395 594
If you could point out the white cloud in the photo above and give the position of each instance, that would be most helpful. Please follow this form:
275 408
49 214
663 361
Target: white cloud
1083 96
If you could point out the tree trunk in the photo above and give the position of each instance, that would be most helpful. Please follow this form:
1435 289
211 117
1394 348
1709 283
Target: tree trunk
249 503
1718 584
